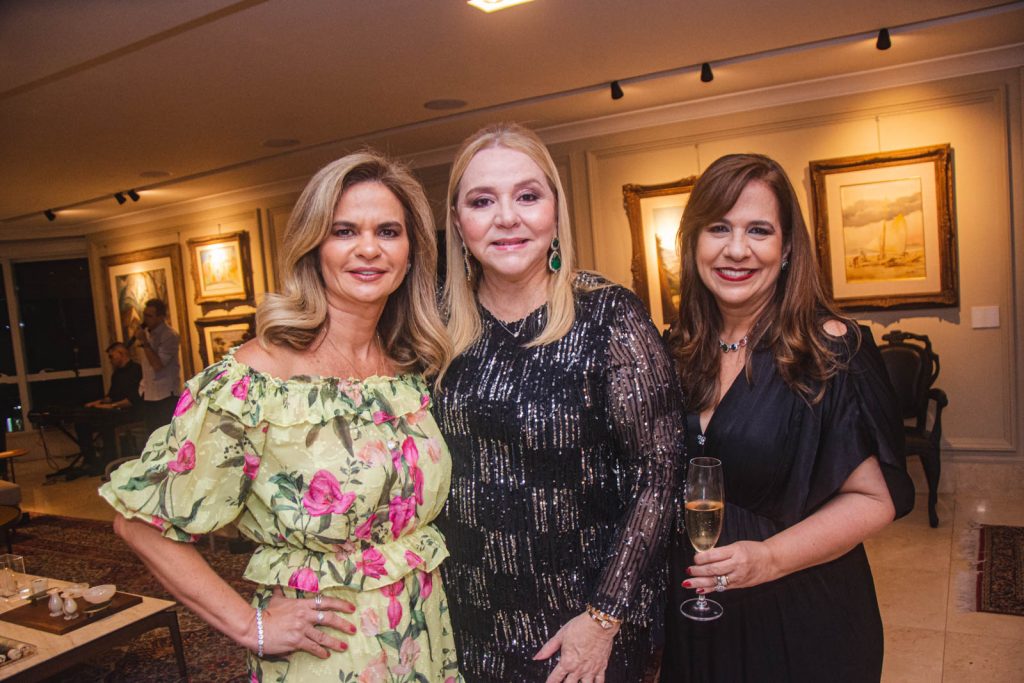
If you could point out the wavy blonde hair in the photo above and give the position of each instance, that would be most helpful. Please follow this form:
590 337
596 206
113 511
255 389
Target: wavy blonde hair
790 324
410 327
464 324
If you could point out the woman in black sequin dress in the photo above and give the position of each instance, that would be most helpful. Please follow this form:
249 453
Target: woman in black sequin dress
795 402
565 423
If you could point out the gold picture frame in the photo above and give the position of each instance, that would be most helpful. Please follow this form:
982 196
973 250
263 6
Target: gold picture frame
885 229
132 279
220 334
654 212
221 268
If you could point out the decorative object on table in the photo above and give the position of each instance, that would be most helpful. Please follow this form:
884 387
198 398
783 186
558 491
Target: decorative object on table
55 603
913 367
134 278
88 550
37 615
998 584
99 594
219 335
221 267
654 212
885 227
12 569
12 650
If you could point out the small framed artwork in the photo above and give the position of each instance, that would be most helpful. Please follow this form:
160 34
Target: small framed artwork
221 268
219 335
885 227
654 213
134 278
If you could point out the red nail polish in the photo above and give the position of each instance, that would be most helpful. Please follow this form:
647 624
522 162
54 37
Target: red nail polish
686 584
689 572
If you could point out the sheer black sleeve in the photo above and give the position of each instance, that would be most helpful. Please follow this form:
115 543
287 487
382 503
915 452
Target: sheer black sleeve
645 414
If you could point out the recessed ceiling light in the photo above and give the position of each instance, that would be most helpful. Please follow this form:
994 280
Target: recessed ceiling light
155 174
495 5
278 143
441 105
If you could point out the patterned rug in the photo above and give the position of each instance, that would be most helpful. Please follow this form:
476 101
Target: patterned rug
1001 560
89 551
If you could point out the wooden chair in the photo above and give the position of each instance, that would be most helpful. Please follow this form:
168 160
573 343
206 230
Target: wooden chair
913 368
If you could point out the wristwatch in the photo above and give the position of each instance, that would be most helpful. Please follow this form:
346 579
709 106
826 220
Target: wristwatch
605 620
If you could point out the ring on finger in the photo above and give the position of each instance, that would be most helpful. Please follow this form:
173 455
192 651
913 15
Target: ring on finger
318 601
721 583
319 617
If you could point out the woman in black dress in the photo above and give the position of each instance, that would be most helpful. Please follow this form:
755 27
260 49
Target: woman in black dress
795 402
563 416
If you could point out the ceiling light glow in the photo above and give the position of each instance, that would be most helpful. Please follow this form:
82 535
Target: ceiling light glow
495 5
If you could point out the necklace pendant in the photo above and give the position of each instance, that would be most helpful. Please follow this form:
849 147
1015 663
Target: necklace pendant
735 346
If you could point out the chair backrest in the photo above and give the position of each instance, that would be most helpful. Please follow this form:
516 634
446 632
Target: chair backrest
913 368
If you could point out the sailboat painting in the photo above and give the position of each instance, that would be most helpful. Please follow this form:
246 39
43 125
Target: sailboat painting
883 230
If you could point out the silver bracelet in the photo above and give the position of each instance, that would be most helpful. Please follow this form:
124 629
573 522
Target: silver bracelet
259 632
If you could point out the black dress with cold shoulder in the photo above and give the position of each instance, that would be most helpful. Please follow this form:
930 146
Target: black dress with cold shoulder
564 463
782 460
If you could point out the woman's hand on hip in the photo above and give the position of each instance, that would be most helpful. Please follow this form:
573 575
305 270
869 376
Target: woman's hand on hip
291 624
585 647
743 564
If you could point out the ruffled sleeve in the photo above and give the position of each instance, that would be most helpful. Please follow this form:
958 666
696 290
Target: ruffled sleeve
196 473
645 411
860 418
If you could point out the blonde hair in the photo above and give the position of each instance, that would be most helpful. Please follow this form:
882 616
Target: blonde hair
464 324
410 327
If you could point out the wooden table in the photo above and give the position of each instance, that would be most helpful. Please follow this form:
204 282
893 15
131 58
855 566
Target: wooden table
56 653
9 456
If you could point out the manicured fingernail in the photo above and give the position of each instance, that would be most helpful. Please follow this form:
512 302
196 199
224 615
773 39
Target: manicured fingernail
689 572
686 584
344 646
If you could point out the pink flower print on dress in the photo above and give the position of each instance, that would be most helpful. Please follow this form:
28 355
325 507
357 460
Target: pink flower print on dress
400 512
240 389
305 580
373 453
251 466
325 497
372 563
158 522
377 670
433 450
364 530
185 401
186 458
381 416
410 453
415 417
408 653
352 390
413 559
394 607
369 623
426 580
253 678
343 551
220 375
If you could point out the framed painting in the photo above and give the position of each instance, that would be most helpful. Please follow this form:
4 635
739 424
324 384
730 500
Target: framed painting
221 268
134 278
654 213
219 335
885 228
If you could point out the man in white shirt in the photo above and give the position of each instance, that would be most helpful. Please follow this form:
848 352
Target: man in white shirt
161 369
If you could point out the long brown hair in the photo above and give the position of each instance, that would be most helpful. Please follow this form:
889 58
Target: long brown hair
410 326
790 324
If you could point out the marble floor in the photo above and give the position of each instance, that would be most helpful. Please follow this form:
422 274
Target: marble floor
929 636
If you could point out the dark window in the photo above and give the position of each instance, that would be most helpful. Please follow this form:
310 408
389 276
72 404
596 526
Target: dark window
6 342
58 327
64 392
10 408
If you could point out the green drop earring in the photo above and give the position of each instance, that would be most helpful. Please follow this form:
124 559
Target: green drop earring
554 258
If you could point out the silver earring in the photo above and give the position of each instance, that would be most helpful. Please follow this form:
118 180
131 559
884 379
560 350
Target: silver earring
785 264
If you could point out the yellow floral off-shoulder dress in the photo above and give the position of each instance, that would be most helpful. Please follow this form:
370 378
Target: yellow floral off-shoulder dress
337 482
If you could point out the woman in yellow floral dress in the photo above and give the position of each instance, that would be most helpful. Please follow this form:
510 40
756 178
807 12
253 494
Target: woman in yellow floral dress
336 480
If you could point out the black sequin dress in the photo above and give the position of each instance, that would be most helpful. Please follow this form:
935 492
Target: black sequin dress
564 462
782 460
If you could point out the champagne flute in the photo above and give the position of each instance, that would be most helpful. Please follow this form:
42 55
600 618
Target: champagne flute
704 513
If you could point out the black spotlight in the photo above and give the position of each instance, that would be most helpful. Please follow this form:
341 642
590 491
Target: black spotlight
50 215
884 42
134 195
119 196
705 73
617 93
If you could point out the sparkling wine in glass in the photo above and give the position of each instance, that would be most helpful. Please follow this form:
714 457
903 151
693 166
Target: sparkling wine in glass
704 514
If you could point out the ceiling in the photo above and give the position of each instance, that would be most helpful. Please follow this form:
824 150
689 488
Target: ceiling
97 96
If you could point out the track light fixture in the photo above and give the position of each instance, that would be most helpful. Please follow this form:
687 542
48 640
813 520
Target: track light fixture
134 195
884 42
119 196
705 73
617 93
50 215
